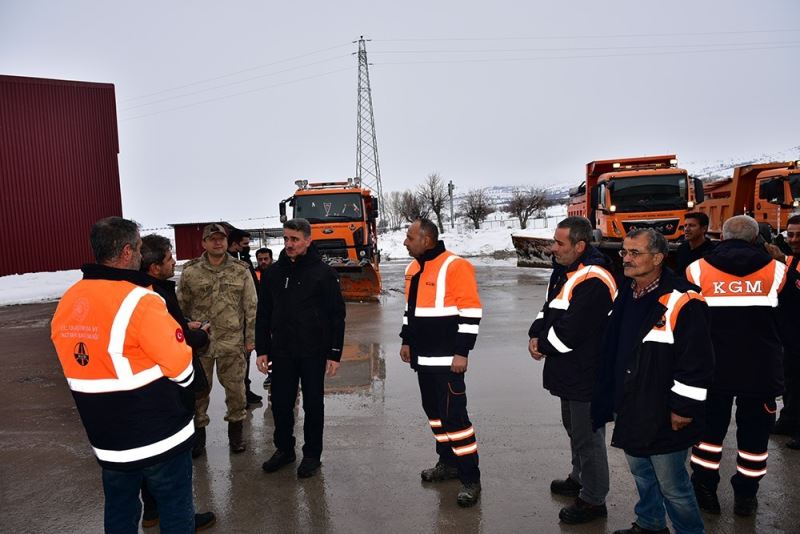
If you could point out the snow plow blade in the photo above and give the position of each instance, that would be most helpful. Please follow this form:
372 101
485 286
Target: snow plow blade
359 283
533 251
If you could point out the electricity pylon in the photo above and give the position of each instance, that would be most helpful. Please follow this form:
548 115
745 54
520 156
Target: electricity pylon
367 167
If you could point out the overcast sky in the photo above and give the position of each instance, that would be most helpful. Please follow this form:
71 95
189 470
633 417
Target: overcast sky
222 105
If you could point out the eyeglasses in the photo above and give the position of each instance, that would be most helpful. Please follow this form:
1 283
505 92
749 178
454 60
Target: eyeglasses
632 253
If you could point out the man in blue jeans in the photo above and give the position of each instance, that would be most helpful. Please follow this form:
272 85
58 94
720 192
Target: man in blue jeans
657 363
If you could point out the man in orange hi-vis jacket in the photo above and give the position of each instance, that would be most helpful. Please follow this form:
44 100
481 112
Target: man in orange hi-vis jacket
440 326
126 361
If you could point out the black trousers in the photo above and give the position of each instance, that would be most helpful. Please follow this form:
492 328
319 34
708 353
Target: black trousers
754 420
791 397
444 399
287 374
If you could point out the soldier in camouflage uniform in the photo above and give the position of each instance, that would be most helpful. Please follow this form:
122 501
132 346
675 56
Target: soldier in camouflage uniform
219 289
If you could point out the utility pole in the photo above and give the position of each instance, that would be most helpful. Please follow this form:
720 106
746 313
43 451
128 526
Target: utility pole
367 167
450 188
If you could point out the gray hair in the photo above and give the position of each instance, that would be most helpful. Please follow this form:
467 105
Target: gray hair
110 235
741 227
656 242
580 229
299 225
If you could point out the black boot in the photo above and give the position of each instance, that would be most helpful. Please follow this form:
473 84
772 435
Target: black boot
744 506
706 498
582 512
199 447
568 487
278 460
235 437
204 521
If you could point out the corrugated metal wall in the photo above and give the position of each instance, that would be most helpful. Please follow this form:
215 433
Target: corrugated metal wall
58 170
188 240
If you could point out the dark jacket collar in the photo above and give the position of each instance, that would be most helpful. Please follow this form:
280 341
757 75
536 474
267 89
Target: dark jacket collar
738 257
95 271
432 253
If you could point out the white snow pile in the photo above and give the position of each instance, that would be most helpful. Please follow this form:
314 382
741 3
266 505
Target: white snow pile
36 287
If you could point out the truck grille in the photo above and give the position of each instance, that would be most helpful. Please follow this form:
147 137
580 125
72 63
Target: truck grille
664 226
332 248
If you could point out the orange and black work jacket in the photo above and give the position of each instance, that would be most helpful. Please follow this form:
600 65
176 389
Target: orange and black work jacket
126 362
571 324
669 370
743 287
443 309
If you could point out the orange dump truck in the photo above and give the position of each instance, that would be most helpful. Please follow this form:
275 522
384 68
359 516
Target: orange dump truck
769 192
343 217
624 194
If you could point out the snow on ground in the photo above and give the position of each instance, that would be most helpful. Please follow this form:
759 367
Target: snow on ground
496 236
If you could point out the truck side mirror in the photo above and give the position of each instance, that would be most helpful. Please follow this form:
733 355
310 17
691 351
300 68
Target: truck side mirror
282 211
699 194
374 213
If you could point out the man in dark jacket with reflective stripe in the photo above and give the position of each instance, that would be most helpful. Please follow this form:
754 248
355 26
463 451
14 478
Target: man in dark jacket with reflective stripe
567 333
657 363
300 328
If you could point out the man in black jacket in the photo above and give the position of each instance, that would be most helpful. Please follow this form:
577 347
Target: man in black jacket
743 286
300 328
159 264
657 366
697 245
567 332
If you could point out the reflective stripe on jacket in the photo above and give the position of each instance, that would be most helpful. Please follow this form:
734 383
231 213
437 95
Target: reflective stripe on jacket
125 360
443 309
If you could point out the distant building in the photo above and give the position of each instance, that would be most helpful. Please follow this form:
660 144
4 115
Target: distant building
58 170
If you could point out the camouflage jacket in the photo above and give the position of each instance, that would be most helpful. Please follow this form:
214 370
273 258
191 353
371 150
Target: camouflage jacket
223 295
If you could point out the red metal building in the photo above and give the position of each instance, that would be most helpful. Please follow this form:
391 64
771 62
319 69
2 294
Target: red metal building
189 239
58 170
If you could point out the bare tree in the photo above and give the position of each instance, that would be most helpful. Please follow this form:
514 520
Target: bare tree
412 206
476 207
434 193
524 203
393 210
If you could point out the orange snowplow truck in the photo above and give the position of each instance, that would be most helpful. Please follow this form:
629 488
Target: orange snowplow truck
621 195
343 217
769 192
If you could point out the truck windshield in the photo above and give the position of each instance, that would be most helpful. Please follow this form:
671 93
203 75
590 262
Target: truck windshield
329 207
649 193
794 184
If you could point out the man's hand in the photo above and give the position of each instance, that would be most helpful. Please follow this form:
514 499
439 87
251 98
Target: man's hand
679 422
775 252
459 364
405 353
194 325
249 347
331 368
533 348
262 362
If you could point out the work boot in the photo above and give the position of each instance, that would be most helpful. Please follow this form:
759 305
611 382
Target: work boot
439 472
582 512
204 521
568 487
149 517
199 447
252 398
278 460
636 529
744 506
784 427
706 498
469 494
794 443
235 438
307 467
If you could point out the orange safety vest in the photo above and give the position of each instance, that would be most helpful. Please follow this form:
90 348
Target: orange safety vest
115 340
258 275
721 289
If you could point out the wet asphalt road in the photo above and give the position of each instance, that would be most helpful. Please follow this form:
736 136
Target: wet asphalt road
376 439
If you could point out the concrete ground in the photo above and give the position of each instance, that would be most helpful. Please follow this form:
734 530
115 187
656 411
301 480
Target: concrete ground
376 441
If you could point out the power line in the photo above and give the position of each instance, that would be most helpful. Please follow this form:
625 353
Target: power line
225 97
580 48
239 82
612 36
585 56
249 69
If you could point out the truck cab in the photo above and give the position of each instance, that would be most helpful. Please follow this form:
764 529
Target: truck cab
343 217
